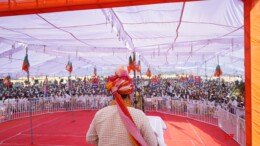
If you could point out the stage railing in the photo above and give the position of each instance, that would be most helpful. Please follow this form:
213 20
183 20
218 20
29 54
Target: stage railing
232 124
13 109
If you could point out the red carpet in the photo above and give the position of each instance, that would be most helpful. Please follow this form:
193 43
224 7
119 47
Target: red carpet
69 129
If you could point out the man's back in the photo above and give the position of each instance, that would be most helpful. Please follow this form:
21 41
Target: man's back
107 128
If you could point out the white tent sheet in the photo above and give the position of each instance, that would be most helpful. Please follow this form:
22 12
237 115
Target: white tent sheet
168 38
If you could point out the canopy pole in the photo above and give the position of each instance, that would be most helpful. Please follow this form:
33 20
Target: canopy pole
142 105
71 96
134 74
28 73
28 76
197 70
219 76
31 127
206 69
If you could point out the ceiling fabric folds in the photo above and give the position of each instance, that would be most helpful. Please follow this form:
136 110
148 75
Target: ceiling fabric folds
182 37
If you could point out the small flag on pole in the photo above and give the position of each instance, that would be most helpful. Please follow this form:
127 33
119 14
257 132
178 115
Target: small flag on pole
148 73
130 64
26 64
69 67
138 67
218 71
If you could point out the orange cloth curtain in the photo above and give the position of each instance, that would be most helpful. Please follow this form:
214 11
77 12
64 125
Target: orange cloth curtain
255 72
252 71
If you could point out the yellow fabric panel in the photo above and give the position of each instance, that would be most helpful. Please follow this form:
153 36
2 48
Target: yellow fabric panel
255 71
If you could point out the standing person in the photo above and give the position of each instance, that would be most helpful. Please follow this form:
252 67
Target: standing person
120 124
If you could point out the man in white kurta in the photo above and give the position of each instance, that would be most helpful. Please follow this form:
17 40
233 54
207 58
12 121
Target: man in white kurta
107 128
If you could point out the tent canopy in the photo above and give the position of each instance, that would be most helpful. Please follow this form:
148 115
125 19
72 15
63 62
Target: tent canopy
190 37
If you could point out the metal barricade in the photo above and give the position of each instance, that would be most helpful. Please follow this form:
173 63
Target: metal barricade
230 123
227 122
241 133
176 107
202 112
39 106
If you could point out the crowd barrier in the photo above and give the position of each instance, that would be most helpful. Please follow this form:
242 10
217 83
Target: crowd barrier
230 123
14 109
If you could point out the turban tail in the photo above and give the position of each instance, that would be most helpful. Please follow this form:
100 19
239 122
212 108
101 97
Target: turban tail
121 83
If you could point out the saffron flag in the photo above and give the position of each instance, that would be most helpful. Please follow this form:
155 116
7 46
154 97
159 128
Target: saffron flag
26 64
130 64
69 67
218 71
148 73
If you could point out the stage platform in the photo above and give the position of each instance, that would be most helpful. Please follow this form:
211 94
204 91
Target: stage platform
69 129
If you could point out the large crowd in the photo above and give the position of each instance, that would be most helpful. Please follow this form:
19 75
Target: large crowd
218 93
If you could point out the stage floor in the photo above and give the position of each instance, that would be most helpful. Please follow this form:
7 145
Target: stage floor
69 129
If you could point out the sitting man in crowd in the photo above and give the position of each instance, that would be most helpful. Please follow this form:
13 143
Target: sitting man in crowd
119 124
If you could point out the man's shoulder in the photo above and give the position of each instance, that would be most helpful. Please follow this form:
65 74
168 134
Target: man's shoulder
136 111
113 109
106 109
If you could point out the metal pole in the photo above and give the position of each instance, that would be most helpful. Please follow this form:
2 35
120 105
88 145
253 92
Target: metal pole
171 103
31 121
28 76
8 110
31 131
28 73
219 75
197 70
71 99
135 97
134 73
142 103
206 69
